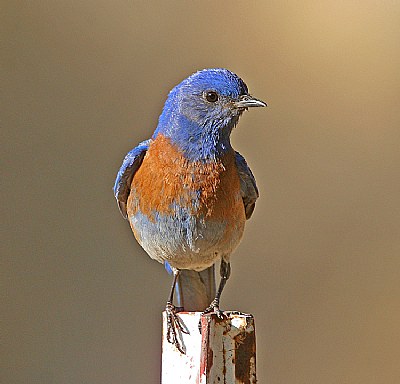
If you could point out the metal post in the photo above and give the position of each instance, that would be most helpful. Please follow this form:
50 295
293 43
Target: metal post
224 351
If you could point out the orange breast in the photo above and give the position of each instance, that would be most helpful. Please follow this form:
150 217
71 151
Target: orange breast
166 179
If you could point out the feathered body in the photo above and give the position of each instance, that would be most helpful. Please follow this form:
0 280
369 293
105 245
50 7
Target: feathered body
185 191
189 213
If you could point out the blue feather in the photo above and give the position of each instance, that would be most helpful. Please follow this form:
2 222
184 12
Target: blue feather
248 185
130 165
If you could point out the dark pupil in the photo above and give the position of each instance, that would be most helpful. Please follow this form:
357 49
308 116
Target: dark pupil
212 97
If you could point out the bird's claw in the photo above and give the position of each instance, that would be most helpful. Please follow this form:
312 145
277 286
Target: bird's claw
174 327
212 308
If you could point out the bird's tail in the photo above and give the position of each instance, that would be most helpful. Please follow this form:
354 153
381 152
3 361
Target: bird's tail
194 290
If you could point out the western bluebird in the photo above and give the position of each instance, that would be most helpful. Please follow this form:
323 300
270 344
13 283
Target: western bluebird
185 191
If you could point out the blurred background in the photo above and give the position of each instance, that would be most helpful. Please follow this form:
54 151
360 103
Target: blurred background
84 82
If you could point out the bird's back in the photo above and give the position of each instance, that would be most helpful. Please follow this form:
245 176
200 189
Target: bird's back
187 212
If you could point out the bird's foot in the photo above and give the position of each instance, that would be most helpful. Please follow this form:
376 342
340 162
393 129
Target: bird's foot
212 308
174 327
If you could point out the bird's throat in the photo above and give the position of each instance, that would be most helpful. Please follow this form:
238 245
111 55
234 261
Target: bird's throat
206 142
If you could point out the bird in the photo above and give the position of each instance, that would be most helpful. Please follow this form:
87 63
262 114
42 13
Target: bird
186 192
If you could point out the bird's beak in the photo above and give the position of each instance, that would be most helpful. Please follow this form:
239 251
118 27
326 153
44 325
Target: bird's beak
246 101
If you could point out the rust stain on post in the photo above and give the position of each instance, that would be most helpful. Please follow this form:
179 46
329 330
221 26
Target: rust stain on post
206 356
245 346
228 349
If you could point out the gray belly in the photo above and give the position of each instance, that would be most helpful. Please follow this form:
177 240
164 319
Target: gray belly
186 241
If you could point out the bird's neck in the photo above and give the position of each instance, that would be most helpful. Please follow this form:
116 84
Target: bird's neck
197 143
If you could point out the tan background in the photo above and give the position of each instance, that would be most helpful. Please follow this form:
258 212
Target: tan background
319 265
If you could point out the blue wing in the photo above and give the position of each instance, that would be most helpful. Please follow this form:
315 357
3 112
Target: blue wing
248 186
130 165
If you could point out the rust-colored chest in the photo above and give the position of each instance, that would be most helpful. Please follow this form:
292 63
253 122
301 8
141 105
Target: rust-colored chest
167 182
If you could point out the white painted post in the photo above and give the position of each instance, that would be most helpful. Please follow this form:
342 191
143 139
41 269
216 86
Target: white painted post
224 351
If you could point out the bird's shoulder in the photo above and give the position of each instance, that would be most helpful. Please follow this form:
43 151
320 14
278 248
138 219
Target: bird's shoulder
131 163
248 185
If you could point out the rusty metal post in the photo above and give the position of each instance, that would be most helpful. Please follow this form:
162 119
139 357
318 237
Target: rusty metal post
224 351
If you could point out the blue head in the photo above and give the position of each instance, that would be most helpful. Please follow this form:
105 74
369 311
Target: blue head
201 111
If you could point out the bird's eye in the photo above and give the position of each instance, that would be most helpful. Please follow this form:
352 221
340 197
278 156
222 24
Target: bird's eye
211 96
